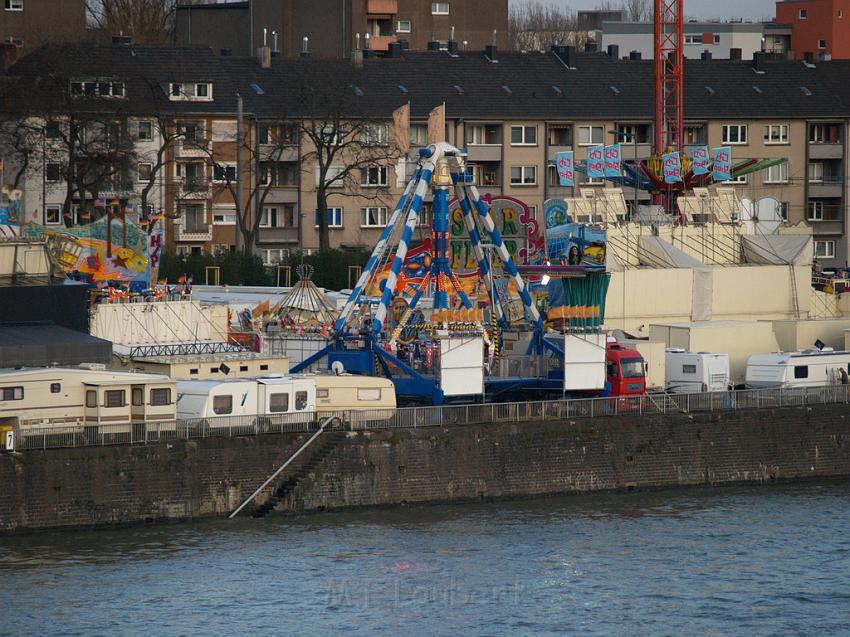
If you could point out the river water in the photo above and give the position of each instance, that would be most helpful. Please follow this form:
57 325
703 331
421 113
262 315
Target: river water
731 561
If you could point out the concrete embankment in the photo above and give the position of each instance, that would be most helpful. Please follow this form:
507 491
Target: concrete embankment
211 477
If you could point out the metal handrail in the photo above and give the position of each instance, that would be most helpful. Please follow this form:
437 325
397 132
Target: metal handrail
283 466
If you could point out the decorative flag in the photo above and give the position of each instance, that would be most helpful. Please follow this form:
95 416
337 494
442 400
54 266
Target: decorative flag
437 124
672 163
565 164
613 161
401 127
99 203
596 162
700 160
722 163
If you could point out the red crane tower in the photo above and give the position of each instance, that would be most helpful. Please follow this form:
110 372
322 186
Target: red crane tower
669 75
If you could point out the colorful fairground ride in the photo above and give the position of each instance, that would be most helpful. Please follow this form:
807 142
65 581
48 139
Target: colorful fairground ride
480 334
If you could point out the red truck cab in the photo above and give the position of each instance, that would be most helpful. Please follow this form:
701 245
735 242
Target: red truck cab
625 370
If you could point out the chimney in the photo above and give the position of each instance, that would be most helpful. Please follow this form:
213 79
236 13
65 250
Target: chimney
405 45
357 59
613 51
590 46
368 52
635 55
433 45
264 57
490 50
121 40
706 56
809 57
394 50
452 47
758 61
226 52
305 47
735 54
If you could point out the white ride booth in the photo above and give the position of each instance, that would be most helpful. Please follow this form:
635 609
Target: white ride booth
461 364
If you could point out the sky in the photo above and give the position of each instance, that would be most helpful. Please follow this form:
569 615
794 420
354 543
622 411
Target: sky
723 9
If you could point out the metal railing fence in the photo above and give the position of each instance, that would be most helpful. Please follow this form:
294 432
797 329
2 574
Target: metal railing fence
414 417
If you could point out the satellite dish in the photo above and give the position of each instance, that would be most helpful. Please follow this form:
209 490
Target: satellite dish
761 217
338 368
16 194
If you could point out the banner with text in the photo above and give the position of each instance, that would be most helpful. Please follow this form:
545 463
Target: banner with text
722 163
700 160
613 161
564 162
596 162
672 167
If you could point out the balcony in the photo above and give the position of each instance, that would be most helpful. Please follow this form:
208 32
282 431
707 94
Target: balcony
381 43
275 152
192 232
489 152
826 150
381 8
195 147
828 187
193 189
278 235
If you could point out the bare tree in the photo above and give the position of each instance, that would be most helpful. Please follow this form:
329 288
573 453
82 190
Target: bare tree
146 21
638 10
536 26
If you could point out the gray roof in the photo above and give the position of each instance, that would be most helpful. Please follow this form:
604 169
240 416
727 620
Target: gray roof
40 345
519 85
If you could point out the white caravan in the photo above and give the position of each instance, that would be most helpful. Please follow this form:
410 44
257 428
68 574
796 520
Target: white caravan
695 372
216 398
807 368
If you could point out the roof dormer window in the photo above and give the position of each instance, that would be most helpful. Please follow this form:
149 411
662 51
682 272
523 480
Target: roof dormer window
91 87
190 91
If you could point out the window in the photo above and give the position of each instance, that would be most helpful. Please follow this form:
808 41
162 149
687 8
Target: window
193 370
11 393
224 130
373 176
824 249
194 218
190 91
264 368
590 135
560 135
484 134
55 388
322 393
523 175
160 397
224 215
300 400
373 217
369 394
91 398
439 8
777 174
784 207
735 134
271 218
695 135
14 5
821 44
740 179
224 173
776 134
334 218
145 172
138 396
815 211
523 135
824 133
816 171
801 371
97 88
52 130
193 133
222 405
689 369
402 26
278 402
632 133
332 136
374 135
243 368
144 131
114 398
53 172
418 135
803 14
52 215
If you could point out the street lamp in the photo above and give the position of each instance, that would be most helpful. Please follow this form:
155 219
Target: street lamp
621 132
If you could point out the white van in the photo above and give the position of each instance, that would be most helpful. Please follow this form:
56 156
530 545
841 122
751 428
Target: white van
807 368
695 372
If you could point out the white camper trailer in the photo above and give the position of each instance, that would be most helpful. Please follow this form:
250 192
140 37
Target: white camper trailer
216 398
806 368
286 394
695 372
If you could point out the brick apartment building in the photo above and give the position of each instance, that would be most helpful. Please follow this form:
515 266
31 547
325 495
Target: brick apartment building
27 24
512 112
332 26
820 29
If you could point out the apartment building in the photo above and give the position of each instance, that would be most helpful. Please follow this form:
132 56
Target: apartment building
819 28
511 111
27 24
333 26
